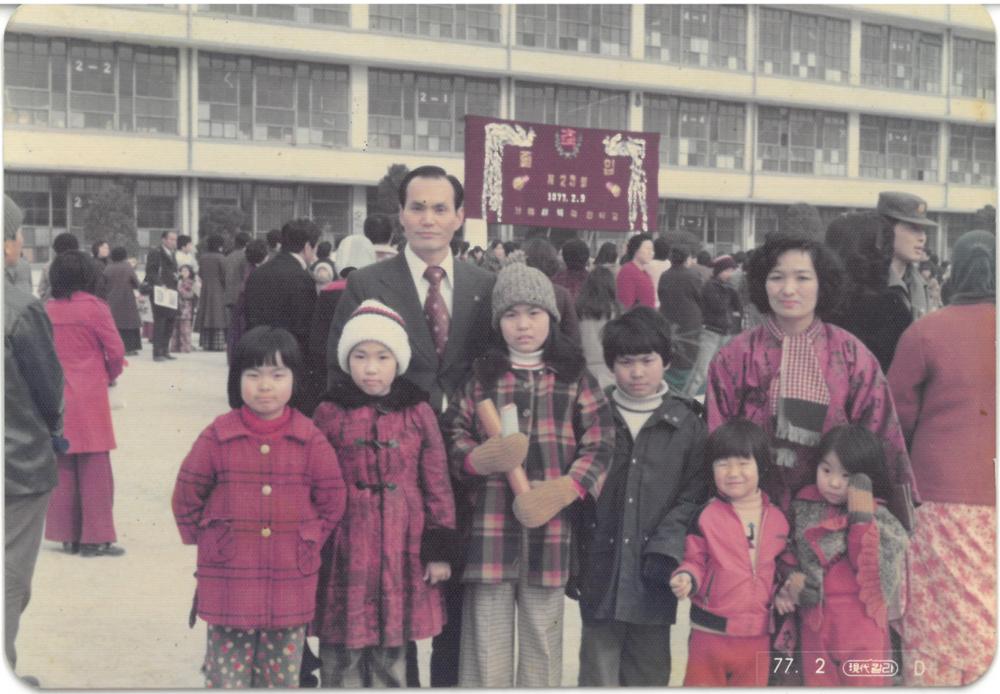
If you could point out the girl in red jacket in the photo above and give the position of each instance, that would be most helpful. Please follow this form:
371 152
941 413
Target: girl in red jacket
850 550
381 569
730 562
258 493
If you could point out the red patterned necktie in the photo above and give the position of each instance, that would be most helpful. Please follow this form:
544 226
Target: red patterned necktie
435 309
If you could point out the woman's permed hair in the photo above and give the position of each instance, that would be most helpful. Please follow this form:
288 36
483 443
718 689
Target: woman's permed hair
859 450
640 331
72 271
258 347
633 245
741 438
607 254
829 272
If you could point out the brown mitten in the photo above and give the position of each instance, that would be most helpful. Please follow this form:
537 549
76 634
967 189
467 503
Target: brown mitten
499 454
860 502
539 505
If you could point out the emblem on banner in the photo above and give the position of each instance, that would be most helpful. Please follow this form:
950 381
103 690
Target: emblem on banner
568 142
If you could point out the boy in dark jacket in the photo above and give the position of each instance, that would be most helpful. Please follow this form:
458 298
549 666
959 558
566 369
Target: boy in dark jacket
633 534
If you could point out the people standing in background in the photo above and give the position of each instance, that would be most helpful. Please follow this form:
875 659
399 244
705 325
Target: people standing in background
236 271
210 320
576 257
634 286
92 356
680 303
101 250
659 264
120 285
323 250
906 216
273 243
607 255
596 305
19 274
869 309
542 255
254 254
282 294
943 382
186 304
185 253
161 271
703 265
378 230
33 429
722 317
61 243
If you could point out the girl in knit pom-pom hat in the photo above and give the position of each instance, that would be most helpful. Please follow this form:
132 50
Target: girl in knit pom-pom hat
517 558
381 569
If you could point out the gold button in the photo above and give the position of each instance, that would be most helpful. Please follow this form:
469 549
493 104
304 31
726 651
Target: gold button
266 532
265 449
266 490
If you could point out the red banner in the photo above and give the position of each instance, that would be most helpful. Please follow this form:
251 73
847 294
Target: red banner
558 176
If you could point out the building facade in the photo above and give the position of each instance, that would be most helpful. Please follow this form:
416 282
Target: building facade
299 110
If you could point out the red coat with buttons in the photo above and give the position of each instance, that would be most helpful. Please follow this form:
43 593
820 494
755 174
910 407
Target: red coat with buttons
372 591
259 504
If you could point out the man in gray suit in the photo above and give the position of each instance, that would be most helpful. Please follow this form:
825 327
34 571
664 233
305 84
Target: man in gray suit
446 306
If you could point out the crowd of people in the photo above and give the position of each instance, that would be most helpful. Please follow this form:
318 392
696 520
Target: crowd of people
428 440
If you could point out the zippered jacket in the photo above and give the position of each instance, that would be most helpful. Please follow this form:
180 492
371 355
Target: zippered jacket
730 595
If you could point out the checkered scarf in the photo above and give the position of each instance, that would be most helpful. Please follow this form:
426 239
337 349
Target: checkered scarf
799 395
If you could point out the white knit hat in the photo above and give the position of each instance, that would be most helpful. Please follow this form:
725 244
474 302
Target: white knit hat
375 321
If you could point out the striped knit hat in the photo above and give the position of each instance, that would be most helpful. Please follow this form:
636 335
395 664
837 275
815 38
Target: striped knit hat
375 321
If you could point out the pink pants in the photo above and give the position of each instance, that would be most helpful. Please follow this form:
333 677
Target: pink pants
716 660
80 505
848 638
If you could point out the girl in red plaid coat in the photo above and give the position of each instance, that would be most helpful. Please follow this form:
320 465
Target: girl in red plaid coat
517 558
258 493
379 585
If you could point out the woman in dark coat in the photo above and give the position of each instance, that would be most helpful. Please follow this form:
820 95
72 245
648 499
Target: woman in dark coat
210 322
871 311
118 289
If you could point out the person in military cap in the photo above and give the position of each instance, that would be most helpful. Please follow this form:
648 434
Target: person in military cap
906 225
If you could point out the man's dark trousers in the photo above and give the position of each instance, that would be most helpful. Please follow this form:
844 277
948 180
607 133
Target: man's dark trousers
163 329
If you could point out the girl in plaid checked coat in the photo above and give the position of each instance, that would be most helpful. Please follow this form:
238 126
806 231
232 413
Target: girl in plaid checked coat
517 558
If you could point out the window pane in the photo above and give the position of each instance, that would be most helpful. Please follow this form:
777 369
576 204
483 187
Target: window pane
598 29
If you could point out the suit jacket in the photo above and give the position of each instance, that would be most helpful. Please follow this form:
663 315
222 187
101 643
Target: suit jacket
281 293
390 282
161 268
234 267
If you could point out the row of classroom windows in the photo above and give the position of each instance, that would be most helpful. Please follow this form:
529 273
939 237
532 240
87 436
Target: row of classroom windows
110 86
796 44
53 204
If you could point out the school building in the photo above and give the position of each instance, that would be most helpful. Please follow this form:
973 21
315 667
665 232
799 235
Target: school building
298 110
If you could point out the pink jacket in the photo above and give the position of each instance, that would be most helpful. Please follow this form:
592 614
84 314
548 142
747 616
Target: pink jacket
740 376
259 502
92 355
635 287
730 594
373 592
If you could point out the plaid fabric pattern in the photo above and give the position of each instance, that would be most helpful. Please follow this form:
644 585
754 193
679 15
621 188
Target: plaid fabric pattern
800 377
571 431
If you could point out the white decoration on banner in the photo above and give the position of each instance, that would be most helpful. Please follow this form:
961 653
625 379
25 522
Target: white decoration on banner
498 136
635 149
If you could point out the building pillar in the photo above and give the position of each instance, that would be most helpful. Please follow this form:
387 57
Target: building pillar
752 24
635 115
853 144
189 208
359 209
637 34
854 54
507 16
359 17
358 130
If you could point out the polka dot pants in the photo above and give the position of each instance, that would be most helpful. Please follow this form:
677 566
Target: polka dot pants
241 658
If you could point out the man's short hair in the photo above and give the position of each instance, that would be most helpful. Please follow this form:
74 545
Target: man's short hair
273 238
431 172
241 239
378 228
65 242
167 233
183 240
640 331
296 233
